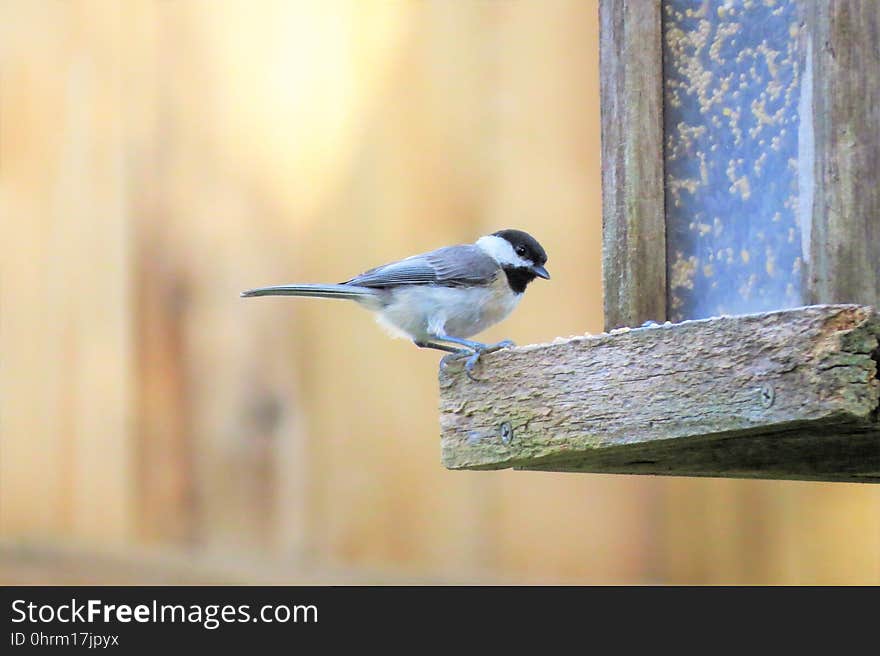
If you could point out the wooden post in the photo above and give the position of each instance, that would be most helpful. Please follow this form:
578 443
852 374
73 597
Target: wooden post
845 102
633 224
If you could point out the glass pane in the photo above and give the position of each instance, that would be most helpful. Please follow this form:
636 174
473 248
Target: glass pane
737 155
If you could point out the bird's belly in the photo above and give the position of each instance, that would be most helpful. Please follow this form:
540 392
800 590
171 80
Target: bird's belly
421 311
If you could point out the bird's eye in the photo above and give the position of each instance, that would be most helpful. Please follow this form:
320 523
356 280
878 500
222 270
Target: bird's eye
520 250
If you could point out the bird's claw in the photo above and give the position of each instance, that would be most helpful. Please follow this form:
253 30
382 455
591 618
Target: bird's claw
458 355
471 363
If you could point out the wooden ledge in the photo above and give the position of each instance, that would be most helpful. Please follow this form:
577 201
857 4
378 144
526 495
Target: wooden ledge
792 394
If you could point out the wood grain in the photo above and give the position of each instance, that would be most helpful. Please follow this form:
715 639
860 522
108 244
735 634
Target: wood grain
788 394
845 236
634 227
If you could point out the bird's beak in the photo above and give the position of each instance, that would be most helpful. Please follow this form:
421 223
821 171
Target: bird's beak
541 272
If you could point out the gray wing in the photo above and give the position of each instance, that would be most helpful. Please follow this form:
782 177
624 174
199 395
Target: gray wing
452 266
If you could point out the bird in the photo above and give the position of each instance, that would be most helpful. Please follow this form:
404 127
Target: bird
441 298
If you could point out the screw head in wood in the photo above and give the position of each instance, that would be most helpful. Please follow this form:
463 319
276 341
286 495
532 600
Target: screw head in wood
768 395
505 430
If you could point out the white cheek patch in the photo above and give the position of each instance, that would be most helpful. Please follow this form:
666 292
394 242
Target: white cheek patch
501 251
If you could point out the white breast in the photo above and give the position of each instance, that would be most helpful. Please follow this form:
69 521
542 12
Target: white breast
419 311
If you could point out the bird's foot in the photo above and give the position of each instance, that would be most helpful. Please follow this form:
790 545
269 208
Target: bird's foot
473 355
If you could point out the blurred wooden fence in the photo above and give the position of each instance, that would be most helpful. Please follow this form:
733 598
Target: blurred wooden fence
157 157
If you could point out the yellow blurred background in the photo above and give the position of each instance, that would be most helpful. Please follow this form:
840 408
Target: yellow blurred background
157 157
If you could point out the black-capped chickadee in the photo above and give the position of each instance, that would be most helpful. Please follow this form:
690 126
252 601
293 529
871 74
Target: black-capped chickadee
439 299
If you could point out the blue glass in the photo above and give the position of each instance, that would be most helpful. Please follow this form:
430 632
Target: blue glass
737 155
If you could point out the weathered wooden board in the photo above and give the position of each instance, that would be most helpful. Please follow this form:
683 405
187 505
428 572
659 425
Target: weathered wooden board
792 394
633 226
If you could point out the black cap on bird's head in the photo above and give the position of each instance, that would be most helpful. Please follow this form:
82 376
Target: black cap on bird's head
528 248
522 261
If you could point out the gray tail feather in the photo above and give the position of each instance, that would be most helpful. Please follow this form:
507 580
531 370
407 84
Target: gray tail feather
347 292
